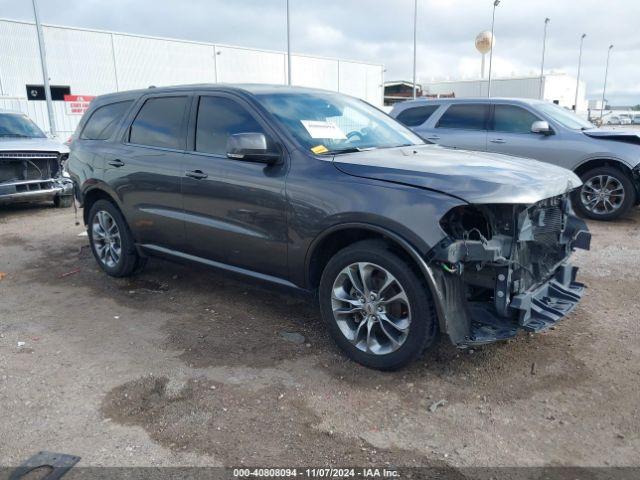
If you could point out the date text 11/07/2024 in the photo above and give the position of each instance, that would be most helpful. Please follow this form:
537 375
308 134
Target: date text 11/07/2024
316 472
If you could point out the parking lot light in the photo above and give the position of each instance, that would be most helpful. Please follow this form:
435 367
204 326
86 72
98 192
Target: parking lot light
575 103
544 49
493 22
604 89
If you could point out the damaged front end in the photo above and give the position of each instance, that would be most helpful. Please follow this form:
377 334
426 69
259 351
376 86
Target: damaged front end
32 176
504 268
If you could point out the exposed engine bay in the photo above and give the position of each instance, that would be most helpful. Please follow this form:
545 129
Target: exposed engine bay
32 175
503 268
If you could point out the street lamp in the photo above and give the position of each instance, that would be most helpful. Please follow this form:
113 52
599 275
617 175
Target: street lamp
544 48
288 48
45 73
606 74
493 22
575 103
415 27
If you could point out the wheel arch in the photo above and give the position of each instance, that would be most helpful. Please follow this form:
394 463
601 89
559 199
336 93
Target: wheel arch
92 195
613 163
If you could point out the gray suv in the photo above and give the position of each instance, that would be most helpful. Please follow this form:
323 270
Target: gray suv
607 161
321 192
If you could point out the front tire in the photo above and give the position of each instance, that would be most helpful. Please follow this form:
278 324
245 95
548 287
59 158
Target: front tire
377 309
606 194
111 241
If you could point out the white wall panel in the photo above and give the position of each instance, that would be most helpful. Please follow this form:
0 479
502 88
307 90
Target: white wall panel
19 58
242 65
141 62
315 72
362 80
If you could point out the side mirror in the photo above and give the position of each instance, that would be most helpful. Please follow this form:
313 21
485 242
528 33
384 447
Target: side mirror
541 127
251 147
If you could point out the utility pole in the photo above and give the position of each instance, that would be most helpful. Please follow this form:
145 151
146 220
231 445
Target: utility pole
575 103
493 22
604 90
415 28
544 48
288 47
45 73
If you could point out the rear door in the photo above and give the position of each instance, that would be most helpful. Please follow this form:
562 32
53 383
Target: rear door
417 119
510 133
462 125
145 170
235 211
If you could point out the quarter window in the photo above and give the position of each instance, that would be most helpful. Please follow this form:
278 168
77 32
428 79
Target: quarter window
512 119
104 120
160 123
464 117
413 117
218 118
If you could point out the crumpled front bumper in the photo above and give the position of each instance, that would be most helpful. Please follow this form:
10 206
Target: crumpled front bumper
35 190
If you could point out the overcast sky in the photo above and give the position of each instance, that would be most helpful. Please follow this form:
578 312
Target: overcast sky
381 32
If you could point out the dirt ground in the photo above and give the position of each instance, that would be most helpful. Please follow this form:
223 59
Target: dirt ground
186 366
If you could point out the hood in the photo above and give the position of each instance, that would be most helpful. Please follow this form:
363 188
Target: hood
471 176
11 144
627 136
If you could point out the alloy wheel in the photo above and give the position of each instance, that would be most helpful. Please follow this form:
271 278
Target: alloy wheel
602 194
371 308
106 238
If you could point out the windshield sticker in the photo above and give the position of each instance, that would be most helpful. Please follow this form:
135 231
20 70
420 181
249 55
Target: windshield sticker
318 149
323 129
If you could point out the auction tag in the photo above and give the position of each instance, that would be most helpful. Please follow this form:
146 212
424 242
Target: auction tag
318 149
323 129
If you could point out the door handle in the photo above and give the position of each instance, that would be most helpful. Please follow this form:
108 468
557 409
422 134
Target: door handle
497 140
197 174
116 163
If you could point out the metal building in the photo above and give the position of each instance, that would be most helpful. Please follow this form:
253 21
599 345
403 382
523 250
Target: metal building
556 87
86 63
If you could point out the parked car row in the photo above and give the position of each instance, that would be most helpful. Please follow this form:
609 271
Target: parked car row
607 161
401 239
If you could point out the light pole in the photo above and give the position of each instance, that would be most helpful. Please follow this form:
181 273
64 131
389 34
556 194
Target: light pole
575 103
288 47
544 49
415 29
606 74
45 73
493 22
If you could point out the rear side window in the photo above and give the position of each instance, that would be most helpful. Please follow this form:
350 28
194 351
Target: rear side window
218 118
412 117
465 117
104 120
512 119
160 123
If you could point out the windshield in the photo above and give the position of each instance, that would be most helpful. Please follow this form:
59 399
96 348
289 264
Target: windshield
328 123
18 125
564 117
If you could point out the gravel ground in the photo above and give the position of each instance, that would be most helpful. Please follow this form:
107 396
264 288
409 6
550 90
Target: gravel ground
185 366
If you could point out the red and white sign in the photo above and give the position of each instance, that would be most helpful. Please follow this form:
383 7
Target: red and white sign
77 104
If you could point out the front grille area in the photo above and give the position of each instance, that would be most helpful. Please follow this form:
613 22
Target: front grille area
547 218
24 166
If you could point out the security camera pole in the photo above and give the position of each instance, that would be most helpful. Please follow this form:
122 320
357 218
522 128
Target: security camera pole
415 26
604 90
493 22
575 103
544 49
45 74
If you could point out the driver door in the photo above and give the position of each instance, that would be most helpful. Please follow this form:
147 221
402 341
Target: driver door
235 211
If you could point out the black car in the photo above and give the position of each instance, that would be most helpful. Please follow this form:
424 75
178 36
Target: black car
322 192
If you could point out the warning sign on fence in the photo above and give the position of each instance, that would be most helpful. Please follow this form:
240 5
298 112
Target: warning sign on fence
77 104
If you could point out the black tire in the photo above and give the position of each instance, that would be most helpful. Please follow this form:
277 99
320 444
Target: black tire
129 262
63 201
423 328
624 207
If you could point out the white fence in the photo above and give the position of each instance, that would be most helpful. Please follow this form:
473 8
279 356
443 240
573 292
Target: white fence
94 62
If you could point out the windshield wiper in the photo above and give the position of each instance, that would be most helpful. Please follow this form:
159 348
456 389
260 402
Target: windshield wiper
339 151
19 135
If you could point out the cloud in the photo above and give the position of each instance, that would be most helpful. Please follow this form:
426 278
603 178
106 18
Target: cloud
382 31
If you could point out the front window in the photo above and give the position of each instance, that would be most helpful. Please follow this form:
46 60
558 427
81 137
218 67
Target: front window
331 123
564 117
18 125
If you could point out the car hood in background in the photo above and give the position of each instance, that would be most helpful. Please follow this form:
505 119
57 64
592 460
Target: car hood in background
471 176
11 144
627 136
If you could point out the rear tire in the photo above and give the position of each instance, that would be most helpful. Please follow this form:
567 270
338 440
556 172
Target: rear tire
377 332
63 201
111 241
606 194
